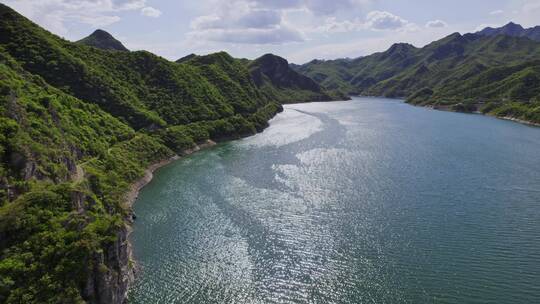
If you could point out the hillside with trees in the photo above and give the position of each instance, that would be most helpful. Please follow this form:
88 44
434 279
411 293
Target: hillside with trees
79 123
494 74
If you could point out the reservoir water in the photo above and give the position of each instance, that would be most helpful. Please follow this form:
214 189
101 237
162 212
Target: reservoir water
363 201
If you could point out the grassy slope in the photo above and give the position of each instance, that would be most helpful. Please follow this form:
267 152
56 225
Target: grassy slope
66 107
459 70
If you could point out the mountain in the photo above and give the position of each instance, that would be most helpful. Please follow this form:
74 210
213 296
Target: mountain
103 40
272 76
468 72
79 125
512 29
186 58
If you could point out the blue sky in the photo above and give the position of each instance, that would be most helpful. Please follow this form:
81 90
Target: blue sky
299 30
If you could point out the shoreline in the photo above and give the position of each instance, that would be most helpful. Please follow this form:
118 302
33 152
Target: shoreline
448 108
131 196
508 118
133 193
521 121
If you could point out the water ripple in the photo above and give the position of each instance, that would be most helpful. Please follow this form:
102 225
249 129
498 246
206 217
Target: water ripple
369 201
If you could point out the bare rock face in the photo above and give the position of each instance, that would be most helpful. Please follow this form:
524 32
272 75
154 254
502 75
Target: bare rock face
112 273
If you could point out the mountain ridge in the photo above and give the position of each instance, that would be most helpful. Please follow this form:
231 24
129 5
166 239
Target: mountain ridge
512 29
431 75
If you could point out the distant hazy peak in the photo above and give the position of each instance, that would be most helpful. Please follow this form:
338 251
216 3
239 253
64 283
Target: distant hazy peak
401 47
103 40
186 58
512 29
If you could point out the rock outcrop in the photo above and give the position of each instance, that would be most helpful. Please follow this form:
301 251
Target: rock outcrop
112 272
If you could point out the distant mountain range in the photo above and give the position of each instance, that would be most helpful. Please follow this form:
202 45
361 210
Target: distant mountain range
512 29
495 71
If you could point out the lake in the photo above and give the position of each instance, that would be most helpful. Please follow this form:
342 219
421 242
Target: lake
363 201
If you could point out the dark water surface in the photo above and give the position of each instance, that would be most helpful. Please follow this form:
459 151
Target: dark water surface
365 201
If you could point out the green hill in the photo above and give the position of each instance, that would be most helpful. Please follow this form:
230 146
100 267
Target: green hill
277 80
103 40
78 125
465 72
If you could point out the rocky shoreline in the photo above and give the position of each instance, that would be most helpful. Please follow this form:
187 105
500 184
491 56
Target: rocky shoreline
525 122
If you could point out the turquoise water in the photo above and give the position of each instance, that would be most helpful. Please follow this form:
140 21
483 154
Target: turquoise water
365 201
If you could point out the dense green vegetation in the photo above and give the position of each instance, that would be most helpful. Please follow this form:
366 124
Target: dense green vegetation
269 76
103 40
79 124
46 238
463 72
277 80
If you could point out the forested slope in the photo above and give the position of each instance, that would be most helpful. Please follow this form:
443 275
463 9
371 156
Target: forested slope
494 74
78 125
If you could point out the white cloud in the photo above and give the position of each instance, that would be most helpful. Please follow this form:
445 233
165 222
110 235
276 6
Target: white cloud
150 12
326 7
244 22
332 25
260 19
250 18
318 7
276 35
528 16
375 20
265 21
98 21
53 14
436 24
381 20
496 12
